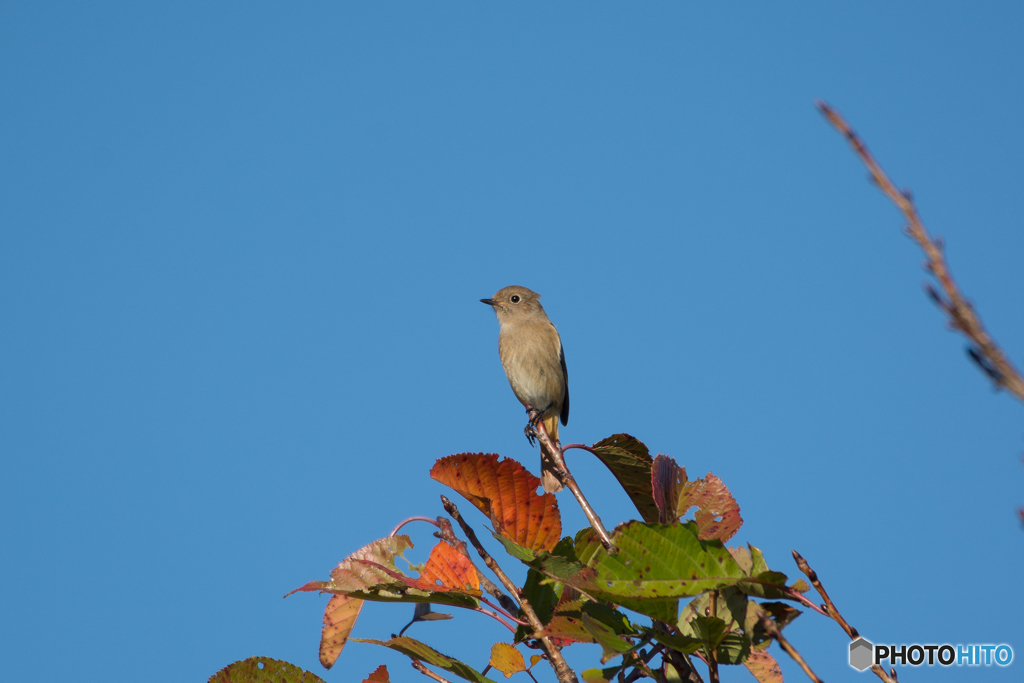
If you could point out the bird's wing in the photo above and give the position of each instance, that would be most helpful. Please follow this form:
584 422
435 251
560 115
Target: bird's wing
565 378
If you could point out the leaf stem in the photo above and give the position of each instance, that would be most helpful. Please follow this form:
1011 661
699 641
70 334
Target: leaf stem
411 519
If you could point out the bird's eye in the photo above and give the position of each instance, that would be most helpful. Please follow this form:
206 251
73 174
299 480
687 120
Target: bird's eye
514 299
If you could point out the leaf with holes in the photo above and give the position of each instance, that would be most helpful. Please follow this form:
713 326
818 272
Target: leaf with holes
507 659
339 619
507 493
630 462
717 515
414 649
263 670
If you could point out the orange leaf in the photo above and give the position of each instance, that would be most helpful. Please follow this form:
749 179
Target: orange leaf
763 667
339 618
447 567
379 675
507 493
507 659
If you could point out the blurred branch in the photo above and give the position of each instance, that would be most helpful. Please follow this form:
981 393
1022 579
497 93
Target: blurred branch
984 351
830 608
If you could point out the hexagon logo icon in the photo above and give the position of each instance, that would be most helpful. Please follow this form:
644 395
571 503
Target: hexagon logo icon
861 654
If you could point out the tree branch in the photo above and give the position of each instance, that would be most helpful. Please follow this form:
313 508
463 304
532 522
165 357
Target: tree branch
562 670
830 609
775 633
962 317
565 477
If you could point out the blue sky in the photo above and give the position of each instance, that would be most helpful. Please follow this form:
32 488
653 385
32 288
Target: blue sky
241 248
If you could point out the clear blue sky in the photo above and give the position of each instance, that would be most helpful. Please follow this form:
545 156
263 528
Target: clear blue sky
241 247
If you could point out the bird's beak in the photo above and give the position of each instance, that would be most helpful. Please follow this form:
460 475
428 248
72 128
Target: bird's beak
489 302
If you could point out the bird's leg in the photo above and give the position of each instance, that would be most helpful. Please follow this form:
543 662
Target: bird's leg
531 426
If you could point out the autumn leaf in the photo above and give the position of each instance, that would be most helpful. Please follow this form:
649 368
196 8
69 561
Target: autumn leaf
339 619
263 670
370 574
763 667
507 659
449 568
717 515
363 569
379 675
507 493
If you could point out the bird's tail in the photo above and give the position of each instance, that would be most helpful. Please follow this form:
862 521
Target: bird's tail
547 461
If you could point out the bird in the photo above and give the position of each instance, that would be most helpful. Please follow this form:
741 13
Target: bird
534 362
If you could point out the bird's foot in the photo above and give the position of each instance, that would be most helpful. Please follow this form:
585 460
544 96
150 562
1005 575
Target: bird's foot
531 433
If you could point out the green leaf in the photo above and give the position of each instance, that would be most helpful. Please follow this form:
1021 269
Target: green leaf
600 675
515 550
263 670
730 605
674 641
656 562
672 675
734 648
542 598
630 462
414 649
708 630
611 643
766 585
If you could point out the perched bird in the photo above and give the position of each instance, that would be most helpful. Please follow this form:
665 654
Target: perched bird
531 353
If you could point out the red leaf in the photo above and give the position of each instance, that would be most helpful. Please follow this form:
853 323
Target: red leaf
507 493
379 675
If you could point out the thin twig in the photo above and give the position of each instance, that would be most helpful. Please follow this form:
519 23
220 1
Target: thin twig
775 633
411 519
419 666
830 607
502 611
562 670
986 353
563 474
833 612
